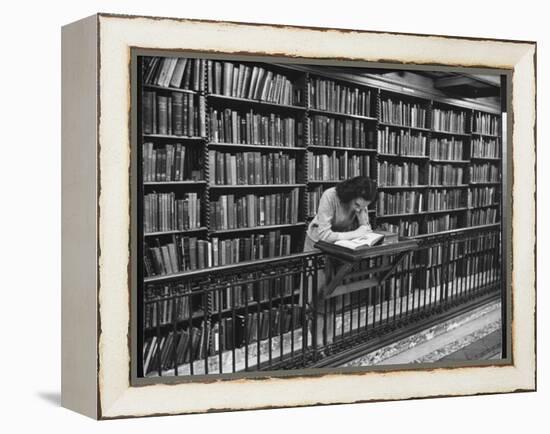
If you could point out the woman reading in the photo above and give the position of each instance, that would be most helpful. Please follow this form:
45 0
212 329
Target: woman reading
342 215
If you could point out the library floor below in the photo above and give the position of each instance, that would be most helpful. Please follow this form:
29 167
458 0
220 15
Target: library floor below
474 335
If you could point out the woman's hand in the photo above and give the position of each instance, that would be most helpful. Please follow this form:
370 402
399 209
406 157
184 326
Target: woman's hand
362 231
363 217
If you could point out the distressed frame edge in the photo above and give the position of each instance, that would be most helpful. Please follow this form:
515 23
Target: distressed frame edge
318 28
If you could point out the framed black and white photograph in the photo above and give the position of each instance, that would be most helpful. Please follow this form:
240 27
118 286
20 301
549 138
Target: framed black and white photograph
274 216
262 189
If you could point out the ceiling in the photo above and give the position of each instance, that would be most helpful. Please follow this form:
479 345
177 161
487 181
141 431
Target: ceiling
465 85
452 84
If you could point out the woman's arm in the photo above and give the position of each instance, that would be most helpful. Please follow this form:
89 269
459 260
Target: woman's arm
357 233
325 216
363 218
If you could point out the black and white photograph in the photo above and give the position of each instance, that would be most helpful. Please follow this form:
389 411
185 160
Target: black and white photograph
262 216
293 216
275 217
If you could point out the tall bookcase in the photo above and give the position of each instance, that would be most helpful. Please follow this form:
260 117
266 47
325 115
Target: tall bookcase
486 169
340 134
402 161
243 151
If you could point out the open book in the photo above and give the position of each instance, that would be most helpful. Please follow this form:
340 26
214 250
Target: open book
369 240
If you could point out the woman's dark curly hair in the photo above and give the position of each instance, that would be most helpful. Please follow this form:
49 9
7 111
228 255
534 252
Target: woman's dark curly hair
352 188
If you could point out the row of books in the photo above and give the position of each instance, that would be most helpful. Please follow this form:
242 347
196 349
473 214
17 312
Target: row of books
401 142
256 246
172 162
338 166
397 286
403 202
390 174
232 211
484 173
250 168
404 228
487 262
256 82
403 113
183 253
172 303
248 295
445 222
178 72
186 345
485 123
482 196
439 200
454 251
446 149
166 304
231 126
437 255
175 348
179 114
163 212
438 276
484 216
434 254
349 133
449 120
332 96
445 174
246 328
474 245
409 202
252 82
314 197
485 148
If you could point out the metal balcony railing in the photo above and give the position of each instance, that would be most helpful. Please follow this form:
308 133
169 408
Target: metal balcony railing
264 315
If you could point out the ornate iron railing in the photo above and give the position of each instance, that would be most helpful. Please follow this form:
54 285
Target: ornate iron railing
269 315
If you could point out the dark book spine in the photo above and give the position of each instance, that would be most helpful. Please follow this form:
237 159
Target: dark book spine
177 113
147 113
201 253
193 253
162 114
190 117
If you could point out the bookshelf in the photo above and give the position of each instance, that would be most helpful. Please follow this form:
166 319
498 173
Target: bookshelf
236 156
461 175
341 134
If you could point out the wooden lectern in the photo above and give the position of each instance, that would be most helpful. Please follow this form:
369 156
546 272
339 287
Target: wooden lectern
345 267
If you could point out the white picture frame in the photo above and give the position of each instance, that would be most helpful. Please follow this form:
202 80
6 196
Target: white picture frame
96 377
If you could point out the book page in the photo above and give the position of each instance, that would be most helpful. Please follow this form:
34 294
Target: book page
355 243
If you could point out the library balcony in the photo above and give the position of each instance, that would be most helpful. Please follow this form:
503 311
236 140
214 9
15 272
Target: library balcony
270 314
